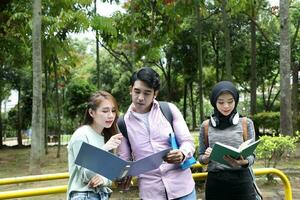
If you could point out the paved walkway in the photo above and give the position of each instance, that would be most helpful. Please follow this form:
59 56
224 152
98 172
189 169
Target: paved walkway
276 191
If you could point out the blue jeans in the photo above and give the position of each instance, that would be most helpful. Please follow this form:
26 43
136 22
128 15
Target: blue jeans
191 196
88 196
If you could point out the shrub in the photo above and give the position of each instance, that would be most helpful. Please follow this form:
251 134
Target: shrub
268 122
273 149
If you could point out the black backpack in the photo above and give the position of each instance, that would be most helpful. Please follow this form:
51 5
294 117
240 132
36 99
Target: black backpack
165 109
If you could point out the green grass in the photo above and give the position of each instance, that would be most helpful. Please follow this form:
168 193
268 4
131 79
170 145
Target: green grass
18 160
15 163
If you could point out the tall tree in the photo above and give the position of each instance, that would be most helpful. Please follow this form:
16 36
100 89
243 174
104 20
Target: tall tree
46 69
57 99
37 140
97 49
253 82
286 124
226 24
295 16
199 60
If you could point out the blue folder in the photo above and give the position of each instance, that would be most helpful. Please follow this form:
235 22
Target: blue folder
187 163
113 167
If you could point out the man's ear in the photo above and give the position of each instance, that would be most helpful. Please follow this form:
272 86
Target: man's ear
130 90
155 94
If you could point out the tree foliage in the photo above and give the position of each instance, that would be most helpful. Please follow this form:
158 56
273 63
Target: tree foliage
162 34
78 92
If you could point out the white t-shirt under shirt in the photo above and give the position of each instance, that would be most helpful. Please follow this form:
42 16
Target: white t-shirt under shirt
143 117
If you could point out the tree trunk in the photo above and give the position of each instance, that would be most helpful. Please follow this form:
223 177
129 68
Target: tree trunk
1 127
97 50
37 140
169 77
193 107
58 125
215 47
285 70
185 99
200 64
46 107
295 97
295 87
19 131
98 60
226 23
253 69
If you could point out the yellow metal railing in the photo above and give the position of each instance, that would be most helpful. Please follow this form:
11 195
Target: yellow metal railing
282 176
63 188
33 192
34 178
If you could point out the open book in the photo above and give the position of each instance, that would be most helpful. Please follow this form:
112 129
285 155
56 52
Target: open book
113 167
220 150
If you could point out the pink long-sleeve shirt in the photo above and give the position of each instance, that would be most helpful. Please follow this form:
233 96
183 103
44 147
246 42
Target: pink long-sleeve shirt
168 179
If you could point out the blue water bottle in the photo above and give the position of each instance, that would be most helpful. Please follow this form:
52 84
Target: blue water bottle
174 144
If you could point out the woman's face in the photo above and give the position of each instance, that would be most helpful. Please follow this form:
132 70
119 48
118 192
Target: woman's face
104 115
225 103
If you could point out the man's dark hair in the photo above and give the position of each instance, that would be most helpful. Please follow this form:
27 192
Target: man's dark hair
147 75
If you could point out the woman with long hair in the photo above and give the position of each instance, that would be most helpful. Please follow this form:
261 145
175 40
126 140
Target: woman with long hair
100 130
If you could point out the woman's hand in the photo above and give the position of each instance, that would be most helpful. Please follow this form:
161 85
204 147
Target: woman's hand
96 181
236 162
113 142
206 155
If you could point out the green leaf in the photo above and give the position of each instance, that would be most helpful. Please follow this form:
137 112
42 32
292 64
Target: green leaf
104 24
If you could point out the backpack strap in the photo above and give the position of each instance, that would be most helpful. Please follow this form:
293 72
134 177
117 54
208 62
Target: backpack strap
122 126
206 124
166 111
123 129
244 126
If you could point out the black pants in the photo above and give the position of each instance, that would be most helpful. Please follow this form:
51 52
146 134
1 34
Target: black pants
231 185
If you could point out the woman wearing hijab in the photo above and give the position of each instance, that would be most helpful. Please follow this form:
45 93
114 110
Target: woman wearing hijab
225 125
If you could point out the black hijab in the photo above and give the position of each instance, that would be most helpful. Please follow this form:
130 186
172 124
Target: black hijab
218 89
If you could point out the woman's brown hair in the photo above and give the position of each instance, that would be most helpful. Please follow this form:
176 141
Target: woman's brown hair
94 102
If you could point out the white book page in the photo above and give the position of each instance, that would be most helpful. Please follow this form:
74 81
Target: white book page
228 147
244 145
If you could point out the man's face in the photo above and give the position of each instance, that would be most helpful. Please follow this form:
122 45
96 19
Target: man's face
142 96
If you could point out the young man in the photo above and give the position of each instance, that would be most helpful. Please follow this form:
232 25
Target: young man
148 132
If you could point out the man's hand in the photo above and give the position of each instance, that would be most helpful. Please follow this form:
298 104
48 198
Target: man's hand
124 183
174 156
96 181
